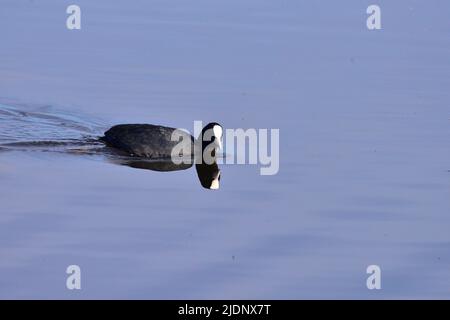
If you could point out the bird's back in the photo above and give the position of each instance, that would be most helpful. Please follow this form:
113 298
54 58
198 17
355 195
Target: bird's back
144 140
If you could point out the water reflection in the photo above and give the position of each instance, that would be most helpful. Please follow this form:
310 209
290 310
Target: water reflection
154 165
208 174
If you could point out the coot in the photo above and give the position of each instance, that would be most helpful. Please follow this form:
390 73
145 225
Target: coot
156 142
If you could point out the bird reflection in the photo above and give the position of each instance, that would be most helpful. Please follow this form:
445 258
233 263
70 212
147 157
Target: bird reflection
208 174
156 165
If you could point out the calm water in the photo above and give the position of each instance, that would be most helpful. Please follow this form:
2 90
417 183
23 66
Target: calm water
364 119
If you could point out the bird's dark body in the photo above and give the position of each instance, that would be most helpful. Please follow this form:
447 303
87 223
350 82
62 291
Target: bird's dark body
146 140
